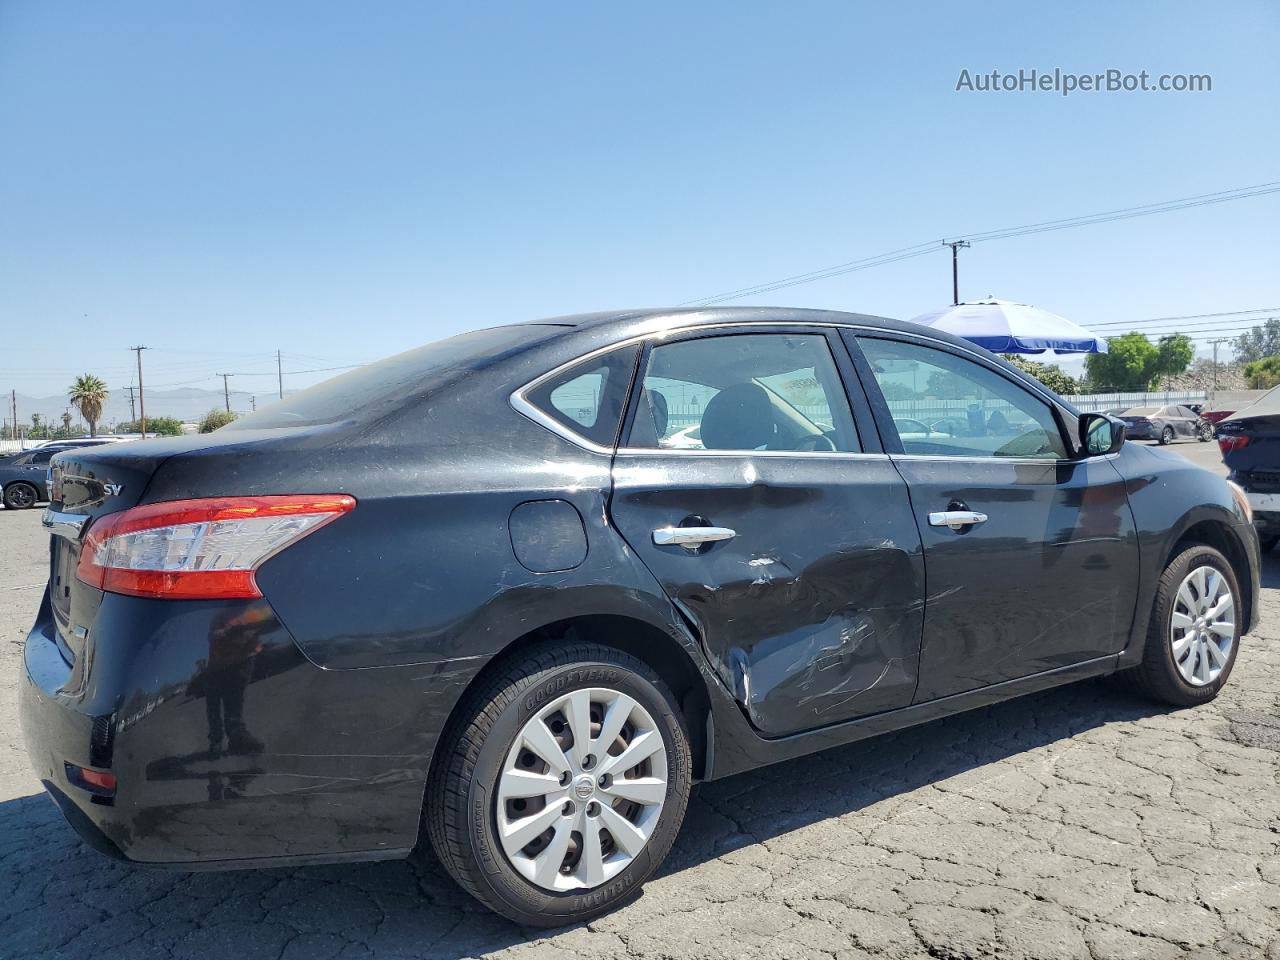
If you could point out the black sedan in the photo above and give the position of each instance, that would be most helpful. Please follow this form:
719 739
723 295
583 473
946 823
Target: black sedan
1166 424
1250 443
23 475
478 589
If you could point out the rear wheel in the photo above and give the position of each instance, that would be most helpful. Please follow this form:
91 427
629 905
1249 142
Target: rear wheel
1166 436
561 786
1194 633
20 496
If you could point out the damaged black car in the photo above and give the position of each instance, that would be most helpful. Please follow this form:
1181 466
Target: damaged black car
513 593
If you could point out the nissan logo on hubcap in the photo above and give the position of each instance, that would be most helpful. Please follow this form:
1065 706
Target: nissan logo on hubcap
584 788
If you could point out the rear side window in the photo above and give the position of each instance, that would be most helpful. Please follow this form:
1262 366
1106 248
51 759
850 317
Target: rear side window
588 398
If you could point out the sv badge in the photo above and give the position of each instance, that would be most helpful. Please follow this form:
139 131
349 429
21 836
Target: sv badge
113 489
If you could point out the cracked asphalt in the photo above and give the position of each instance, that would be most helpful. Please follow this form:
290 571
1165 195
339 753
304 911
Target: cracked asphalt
1080 822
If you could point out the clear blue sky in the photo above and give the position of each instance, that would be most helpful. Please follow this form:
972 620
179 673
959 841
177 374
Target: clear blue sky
343 181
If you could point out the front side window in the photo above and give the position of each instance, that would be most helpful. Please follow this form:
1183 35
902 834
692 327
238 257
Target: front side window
589 397
744 392
945 405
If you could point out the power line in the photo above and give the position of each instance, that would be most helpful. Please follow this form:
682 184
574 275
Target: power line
1004 233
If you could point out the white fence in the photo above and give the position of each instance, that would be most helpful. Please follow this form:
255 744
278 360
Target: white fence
1095 402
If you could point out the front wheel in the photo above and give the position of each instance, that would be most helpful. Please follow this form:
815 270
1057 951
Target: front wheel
561 786
20 496
1166 436
1194 633
1206 433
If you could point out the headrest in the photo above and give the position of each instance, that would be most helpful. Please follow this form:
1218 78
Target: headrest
739 417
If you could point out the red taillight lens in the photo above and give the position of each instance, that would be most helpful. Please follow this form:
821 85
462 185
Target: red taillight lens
1227 443
199 549
94 781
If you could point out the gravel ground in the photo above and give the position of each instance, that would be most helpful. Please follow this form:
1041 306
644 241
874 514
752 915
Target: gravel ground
1074 823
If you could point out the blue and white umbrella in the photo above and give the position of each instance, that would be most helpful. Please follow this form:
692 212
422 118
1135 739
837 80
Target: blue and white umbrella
1003 326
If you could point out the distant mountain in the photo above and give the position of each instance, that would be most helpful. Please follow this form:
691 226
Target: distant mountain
184 403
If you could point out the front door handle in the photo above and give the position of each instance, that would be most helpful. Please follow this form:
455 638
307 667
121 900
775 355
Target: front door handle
956 519
691 537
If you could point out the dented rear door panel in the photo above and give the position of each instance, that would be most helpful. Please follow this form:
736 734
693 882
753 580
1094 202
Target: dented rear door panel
812 613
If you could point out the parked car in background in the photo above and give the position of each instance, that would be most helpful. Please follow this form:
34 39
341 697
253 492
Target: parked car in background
1250 444
572 620
79 441
23 476
1166 424
1216 416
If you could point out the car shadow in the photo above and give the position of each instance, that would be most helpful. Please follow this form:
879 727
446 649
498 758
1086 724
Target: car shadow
59 897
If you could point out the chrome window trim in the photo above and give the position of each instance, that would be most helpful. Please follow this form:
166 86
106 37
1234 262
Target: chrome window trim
1057 461
805 454
520 402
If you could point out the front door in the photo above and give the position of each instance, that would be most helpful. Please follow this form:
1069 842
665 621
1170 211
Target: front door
761 500
1030 552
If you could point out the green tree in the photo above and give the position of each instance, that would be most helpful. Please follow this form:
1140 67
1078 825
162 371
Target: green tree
38 429
1050 374
1259 343
213 420
66 421
1132 362
87 395
1263 374
162 426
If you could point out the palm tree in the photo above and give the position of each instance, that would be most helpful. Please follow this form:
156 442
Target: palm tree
87 395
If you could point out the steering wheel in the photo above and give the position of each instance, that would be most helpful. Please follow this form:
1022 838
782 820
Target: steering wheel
900 421
815 441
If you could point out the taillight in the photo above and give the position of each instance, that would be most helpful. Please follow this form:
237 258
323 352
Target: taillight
1229 442
199 549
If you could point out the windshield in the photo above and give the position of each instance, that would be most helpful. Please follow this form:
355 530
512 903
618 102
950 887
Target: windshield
369 390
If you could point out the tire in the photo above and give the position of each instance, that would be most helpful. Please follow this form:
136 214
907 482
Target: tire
1166 436
20 496
465 809
1205 433
1159 676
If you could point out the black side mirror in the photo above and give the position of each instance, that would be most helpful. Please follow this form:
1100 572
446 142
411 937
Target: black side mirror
1100 433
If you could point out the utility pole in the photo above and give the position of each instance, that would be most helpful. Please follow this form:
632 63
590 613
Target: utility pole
279 375
955 245
133 414
253 403
1215 358
226 394
142 404
13 403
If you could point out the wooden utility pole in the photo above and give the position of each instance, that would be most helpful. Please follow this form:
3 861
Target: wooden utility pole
226 392
142 404
279 375
955 245
133 413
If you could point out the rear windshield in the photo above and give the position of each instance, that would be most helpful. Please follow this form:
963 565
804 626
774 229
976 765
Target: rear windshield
1141 411
376 387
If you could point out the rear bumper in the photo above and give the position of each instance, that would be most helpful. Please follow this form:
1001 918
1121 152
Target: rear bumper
1134 432
229 747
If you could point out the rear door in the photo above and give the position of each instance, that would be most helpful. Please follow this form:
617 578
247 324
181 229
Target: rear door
1030 553
760 498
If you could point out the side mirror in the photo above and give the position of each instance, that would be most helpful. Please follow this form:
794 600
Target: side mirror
1100 433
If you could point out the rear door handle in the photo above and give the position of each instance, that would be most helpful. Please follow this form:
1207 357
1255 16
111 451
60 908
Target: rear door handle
691 537
956 519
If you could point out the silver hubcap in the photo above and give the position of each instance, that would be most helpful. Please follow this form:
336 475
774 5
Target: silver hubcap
581 790
1202 629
